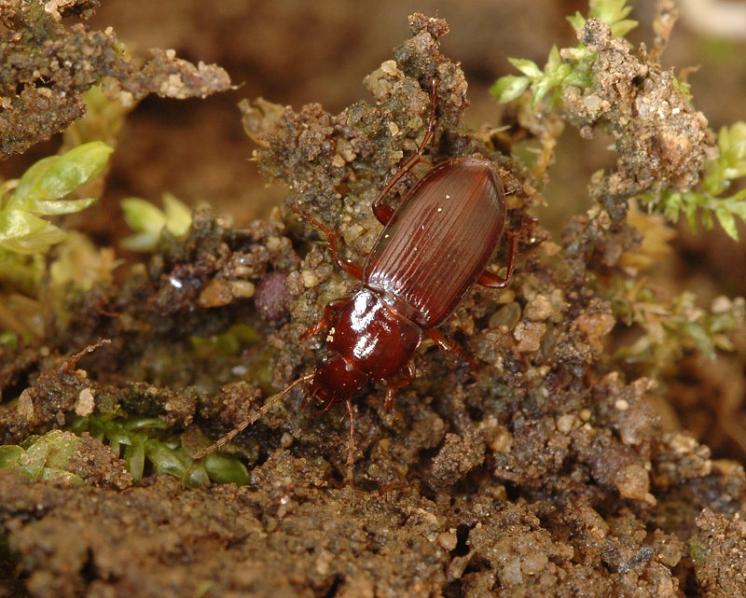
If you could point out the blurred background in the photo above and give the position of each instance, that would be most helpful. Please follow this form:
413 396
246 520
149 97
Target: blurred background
294 52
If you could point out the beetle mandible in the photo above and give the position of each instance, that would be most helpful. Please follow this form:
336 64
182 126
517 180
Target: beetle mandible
431 251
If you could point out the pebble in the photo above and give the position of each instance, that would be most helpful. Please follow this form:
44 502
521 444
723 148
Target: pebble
448 540
242 289
85 403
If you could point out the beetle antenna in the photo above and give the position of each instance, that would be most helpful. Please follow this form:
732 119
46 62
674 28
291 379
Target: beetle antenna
252 419
351 445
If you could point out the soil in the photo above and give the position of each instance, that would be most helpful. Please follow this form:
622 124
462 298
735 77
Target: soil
546 470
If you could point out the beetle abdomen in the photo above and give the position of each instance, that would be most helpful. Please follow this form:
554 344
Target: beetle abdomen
440 240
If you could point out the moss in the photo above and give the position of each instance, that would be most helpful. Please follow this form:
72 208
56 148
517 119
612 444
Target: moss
44 458
142 442
44 190
707 201
663 144
149 223
570 68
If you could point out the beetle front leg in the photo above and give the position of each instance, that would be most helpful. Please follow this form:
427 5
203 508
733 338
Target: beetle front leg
330 312
393 385
382 210
493 281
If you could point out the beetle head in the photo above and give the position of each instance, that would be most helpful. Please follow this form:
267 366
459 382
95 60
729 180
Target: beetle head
336 380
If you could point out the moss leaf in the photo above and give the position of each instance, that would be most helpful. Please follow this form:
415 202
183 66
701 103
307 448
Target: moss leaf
10 455
143 216
24 232
134 454
613 13
225 470
178 215
577 21
166 460
148 221
55 177
527 67
508 88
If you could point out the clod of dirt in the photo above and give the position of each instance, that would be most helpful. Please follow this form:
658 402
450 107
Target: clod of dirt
96 464
41 82
719 553
660 140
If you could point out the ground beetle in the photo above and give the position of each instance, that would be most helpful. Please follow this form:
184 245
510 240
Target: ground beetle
431 251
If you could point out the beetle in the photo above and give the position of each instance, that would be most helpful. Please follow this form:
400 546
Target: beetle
431 251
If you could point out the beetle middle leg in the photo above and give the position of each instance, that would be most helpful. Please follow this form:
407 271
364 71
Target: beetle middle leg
493 281
332 240
450 347
382 210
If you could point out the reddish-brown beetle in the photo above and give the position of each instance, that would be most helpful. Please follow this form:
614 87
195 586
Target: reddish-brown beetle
431 251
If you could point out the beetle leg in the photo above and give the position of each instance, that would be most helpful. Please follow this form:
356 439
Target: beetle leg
382 210
450 347
351 444
326 320
394 385
332 240
311 410
493 281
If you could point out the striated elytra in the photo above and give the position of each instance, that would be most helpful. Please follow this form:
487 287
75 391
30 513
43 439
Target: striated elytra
440 240
430 252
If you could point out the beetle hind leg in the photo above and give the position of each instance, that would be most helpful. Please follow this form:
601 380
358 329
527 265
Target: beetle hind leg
382 210
493 281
